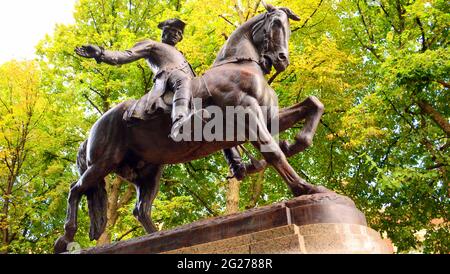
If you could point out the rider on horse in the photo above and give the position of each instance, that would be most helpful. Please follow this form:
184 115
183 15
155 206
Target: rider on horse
170 69
175 74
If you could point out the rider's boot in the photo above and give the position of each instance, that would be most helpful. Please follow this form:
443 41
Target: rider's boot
180 115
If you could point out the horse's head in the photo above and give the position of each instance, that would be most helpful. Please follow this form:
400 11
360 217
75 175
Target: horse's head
271 37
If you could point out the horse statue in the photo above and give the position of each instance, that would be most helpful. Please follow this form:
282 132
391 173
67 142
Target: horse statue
138 153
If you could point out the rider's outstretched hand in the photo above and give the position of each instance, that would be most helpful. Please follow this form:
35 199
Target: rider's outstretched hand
89 51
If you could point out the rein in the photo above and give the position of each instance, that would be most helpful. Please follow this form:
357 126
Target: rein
236 60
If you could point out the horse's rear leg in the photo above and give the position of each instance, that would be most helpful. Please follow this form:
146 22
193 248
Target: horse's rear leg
147 186
273 154
311 110
91 178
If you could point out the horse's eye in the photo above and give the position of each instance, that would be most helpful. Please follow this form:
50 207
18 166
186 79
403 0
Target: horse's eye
277 23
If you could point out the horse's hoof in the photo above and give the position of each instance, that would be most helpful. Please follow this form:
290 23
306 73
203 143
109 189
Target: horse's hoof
239 171
61 245
284 145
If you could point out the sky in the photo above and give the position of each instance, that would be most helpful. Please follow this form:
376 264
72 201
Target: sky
23 23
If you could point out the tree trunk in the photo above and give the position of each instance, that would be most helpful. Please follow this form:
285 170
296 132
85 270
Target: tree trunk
116 201
257 184
232 196
4 225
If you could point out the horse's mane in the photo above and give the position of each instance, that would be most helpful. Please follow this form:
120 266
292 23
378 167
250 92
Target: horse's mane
239 45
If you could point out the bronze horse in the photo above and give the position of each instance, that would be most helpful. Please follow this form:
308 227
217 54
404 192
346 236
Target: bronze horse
138 153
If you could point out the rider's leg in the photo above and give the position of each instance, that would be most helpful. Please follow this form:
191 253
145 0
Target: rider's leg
180 83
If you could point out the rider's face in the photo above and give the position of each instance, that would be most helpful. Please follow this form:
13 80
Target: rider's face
171 36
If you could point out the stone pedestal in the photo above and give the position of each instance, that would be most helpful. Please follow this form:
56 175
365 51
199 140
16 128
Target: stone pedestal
320 223
293 239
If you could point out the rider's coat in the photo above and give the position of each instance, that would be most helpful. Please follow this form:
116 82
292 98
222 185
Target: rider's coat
170 69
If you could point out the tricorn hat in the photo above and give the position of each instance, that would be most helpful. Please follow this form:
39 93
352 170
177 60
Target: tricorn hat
174 23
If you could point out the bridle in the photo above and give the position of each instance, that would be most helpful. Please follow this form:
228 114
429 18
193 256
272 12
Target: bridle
265 25
266 31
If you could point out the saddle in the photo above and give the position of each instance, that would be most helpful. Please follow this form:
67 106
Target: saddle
158 99
145 108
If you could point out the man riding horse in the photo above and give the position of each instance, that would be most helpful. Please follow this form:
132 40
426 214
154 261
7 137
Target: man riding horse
171 72
170 69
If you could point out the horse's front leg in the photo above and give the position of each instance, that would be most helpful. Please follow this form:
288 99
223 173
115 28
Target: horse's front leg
234 160
273 155
311 110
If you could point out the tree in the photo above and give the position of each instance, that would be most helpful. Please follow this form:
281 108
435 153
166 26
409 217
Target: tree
35 152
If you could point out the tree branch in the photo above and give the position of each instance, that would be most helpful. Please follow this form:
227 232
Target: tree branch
307 19
397 111
97 92
195 195
424 40
144 76
228 21
370 48
95 22
366 27
126 233
437 117
445 84
436 166
388 16
92 103
239 11
253 12
126 196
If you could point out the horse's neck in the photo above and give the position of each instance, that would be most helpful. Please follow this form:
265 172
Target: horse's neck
239 45
239 49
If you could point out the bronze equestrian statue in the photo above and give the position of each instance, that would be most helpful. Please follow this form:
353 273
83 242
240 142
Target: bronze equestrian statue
139 153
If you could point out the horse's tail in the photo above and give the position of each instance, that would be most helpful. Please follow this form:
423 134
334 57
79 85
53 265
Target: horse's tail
82 158
96 197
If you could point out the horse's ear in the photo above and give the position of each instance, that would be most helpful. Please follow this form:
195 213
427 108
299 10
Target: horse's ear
268 7
291 15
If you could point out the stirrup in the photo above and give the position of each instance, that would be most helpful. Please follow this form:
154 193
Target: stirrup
176 127
202 114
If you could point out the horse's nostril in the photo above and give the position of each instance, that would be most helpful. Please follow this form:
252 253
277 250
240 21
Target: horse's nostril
282 57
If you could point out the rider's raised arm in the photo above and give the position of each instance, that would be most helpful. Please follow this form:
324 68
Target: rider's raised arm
140 50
